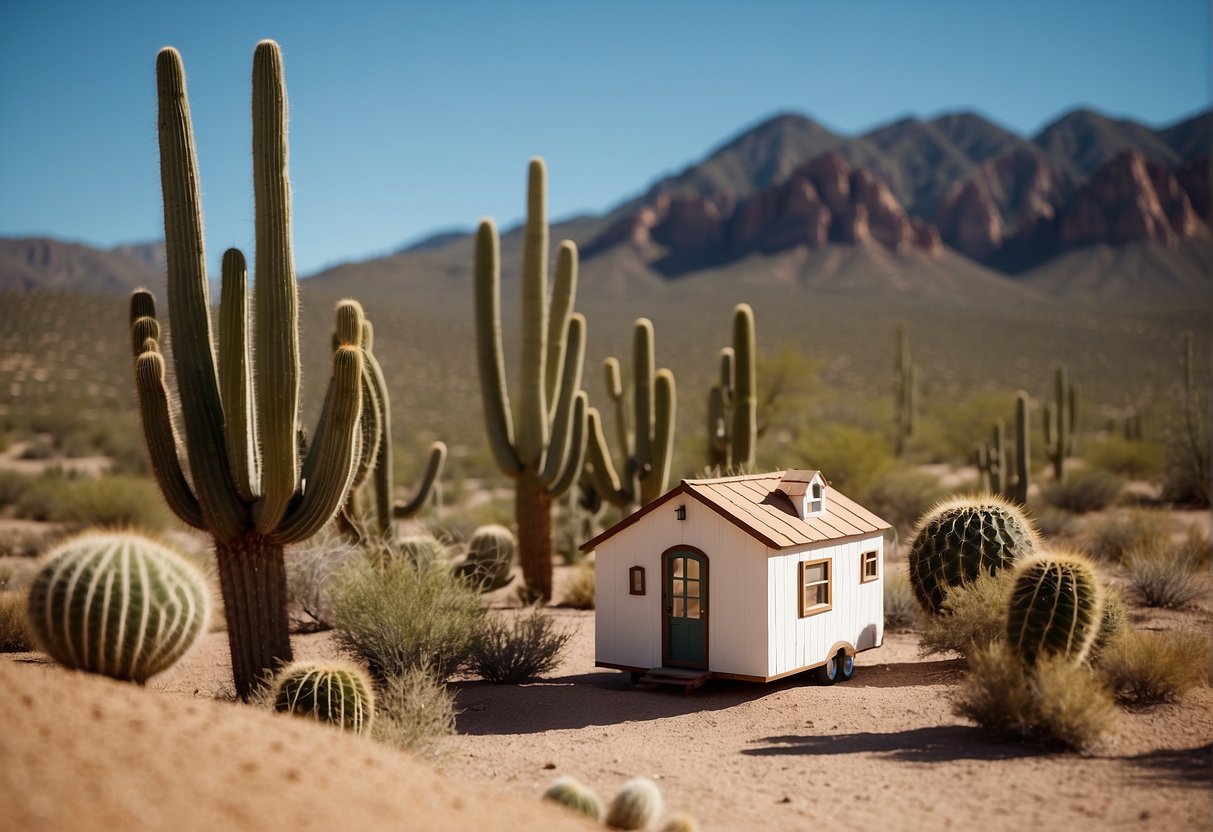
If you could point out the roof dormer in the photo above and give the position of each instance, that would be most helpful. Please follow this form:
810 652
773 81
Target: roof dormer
806 490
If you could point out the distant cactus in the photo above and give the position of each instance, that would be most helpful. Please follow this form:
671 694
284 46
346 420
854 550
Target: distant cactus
636 806
907 391
574 795
117 604
326 692
489 558
647 439
962 537
1055 608
733 401
993 465
421 549
1061 421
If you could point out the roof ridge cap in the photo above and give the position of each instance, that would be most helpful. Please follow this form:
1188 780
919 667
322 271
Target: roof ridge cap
737 478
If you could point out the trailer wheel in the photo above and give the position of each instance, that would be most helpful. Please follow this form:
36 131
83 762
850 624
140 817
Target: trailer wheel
827 674
846 667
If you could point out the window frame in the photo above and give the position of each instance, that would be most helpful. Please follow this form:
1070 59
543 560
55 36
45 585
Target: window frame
633 573
864 578
807 611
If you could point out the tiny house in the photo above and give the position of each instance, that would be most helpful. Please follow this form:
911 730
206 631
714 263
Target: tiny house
753 577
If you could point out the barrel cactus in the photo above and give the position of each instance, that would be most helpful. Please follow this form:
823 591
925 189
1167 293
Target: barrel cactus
326 692
963 537
117 604
576 796
636 806
681 822
1056 607
489 558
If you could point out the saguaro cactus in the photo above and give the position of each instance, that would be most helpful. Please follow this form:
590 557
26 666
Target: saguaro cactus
248 486
546 456
1061 419
648 441
1055 608
992 460
336 693
733 402
907 391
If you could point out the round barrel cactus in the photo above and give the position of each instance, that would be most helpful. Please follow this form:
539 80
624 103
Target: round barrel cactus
489 558
423 549
636 806
118 604
1056 607
326 692
573 794
961 538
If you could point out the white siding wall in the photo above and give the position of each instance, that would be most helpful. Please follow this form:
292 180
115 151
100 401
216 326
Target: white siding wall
628 628
856 615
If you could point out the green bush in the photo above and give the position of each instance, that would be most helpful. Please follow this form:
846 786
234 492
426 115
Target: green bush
901 608
415 712
1117 533
1165 575
395 616
116 501
973 616
1145 668
12 485
15 636
511 654
852 459
1083 491
579 592
1056 703
1134 460
311 569
902 495
1052 522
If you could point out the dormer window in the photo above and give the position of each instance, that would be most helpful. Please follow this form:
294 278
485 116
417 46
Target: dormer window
818 502
806 490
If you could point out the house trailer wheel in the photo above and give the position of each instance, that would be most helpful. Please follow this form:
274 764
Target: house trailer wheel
827 674
846 667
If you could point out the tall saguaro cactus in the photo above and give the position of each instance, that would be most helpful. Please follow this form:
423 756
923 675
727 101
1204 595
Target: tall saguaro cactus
648 442
907 391
1061 419
993 461
546 455
248 486
733 402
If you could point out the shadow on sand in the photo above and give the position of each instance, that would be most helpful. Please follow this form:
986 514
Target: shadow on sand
907 674
1183 766
935 744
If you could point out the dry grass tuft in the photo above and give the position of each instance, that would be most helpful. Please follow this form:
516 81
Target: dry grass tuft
1146 668
901 609
1084 491
414 711
510 654
973 616
1166 575
1120 532
579 593
15 636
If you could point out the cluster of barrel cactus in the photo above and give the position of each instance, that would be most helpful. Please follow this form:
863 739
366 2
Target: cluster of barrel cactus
733 401
331 692
636 806
118 604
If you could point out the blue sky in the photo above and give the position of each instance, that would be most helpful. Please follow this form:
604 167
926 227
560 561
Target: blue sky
409 117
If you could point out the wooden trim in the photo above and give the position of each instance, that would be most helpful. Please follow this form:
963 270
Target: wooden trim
630 668
736 521
705 587
741 677
635 516
816 609
863 576
632 572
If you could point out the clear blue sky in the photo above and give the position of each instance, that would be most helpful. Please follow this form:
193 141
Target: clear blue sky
408 117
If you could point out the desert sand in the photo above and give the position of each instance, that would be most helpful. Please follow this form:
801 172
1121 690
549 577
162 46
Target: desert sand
880 752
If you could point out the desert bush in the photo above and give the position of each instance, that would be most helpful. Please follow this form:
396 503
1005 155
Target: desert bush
973 616
1117 533
17 573
1056 703
15 636
23 542
901 609
114 501
311 568
1165 575
522 650
1145 668
1083 491
394 616
902 495
854 459
12 486
415 712
1132 459
579 592
117 437
1195 547
1052 522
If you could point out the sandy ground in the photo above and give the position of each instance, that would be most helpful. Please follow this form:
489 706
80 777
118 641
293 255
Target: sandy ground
882 751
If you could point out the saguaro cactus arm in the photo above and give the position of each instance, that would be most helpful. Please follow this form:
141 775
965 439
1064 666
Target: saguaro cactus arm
745 402
562 443
433 470
235 376
533 428
490 354
162 440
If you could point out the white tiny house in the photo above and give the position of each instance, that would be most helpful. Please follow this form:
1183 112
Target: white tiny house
752 577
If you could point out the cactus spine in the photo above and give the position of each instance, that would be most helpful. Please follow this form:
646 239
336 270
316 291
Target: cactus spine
117 604
1055 608
326 692
248 486
489 558
636 806
733 402
1060 420
546 456
648 442
907 391
961 538
576 796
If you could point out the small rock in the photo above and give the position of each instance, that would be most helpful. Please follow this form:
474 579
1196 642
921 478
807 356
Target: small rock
549 766
786 799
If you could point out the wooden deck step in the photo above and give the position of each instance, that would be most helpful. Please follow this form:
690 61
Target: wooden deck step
675 676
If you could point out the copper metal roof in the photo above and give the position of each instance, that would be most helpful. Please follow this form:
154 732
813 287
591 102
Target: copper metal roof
754 504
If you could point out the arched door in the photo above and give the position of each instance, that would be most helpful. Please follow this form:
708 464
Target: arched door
685 599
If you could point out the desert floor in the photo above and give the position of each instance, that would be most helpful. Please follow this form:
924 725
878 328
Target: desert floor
880 752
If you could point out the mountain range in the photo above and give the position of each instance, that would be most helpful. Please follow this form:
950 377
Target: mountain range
1124 205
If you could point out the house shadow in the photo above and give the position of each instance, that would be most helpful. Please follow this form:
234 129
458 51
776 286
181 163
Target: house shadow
907 674
1183 766
934 744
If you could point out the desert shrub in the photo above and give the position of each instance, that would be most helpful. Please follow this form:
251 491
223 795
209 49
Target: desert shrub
1083 491
522 650
113 501
1052 522
1134 460
17 573
901 609
117 437
415 712
21 542
1056 703
579 592
394 616
311 569
1195 547
1117 533
1146 668
15 636
854 459
973 616
1165 575
902 495
12 486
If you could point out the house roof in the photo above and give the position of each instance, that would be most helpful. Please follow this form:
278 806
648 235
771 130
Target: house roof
754 504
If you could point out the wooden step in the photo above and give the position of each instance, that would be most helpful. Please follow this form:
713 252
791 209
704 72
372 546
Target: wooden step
676 676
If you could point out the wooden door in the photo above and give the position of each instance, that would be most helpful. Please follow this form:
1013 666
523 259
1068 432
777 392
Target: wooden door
685 596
